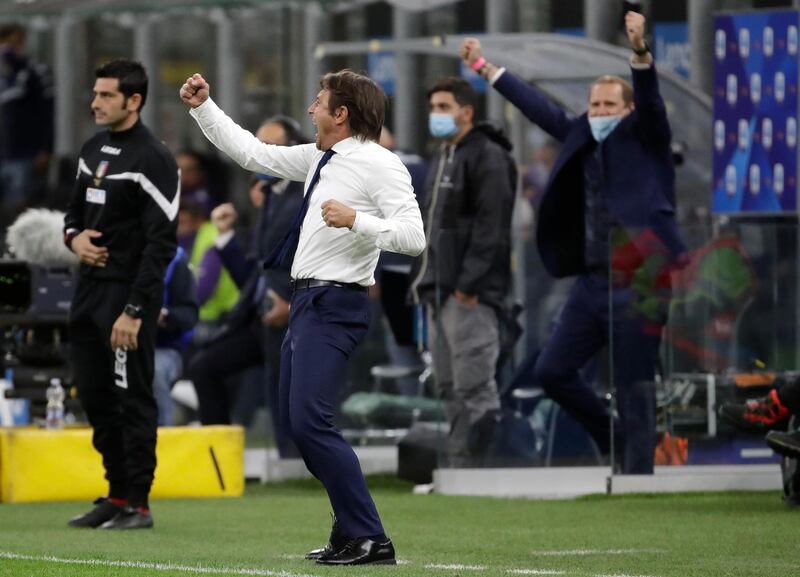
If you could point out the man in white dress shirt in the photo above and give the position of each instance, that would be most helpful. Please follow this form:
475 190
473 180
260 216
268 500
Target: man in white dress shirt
358 201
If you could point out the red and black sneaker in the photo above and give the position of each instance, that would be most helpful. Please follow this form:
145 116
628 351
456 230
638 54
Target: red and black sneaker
104 510
760 415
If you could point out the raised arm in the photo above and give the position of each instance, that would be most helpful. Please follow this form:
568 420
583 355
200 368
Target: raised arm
650 108
530 101
289 162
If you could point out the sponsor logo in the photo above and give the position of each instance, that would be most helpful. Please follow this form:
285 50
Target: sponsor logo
121 368
111 150
720 44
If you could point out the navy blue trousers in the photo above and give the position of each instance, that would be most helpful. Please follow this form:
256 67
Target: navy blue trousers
582 329
325 326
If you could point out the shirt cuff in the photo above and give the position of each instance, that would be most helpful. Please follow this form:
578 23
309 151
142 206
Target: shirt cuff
223 239
497 74
206 111
368 225
639 65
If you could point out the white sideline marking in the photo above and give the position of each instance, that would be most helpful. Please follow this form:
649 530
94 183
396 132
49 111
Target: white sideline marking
151 566
536 572
582 552
622 575
456 567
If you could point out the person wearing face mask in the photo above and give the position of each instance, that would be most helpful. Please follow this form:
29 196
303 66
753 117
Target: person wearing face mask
464 275
613 182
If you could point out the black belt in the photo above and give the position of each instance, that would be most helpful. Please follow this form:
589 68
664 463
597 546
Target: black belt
307 283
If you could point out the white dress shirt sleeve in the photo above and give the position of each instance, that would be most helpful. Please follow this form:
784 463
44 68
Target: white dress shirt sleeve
289 162
400 230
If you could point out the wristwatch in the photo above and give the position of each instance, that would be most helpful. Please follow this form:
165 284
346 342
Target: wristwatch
642 51
69 234
133 311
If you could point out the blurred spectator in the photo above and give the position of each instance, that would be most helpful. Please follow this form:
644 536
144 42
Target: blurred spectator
257 325
201 178
414 163
176 320
26 123
216 292
464 276
392 282
537 173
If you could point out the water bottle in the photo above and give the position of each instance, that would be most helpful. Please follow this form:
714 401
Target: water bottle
55 405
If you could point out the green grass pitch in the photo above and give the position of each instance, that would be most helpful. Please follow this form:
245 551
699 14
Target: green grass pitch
266 532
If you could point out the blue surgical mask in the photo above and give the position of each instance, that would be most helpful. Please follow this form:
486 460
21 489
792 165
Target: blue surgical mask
442 125
602 126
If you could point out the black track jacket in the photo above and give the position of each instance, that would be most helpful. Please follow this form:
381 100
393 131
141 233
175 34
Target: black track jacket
128 188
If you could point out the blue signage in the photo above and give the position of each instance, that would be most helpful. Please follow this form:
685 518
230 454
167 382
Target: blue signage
755 112
672 48
381 67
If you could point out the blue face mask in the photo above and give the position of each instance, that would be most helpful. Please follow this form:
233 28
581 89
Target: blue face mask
602 126
442 125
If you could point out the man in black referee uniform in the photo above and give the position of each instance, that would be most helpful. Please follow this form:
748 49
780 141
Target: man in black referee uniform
121 222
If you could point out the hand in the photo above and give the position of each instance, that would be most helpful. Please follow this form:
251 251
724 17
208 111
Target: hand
87 252
195 91
470 301
125 332
338 215
278 316
634 26
224 217
470 51
162 317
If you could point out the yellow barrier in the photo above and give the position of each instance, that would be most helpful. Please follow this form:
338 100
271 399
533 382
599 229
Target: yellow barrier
42 465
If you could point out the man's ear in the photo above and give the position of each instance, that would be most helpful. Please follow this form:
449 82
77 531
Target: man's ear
341 115
469 113
134 102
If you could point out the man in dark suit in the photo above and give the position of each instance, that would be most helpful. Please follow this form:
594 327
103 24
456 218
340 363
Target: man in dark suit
257 325
607 217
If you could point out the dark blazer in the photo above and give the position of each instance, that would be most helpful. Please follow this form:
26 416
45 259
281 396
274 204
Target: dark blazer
639 176
275 218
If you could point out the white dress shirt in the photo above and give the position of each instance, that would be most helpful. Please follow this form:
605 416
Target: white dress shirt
362 175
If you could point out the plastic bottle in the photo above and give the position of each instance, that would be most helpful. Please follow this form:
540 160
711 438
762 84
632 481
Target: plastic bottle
55 405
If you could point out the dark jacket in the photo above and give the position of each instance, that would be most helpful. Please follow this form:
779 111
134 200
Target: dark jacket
639 176
180 300
127 188
275 218
467 210
26 97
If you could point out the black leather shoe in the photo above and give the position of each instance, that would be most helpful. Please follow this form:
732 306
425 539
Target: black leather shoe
786 444
335 542
104 510
129 518
362 551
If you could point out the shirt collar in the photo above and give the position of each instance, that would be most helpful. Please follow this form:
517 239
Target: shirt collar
348 145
